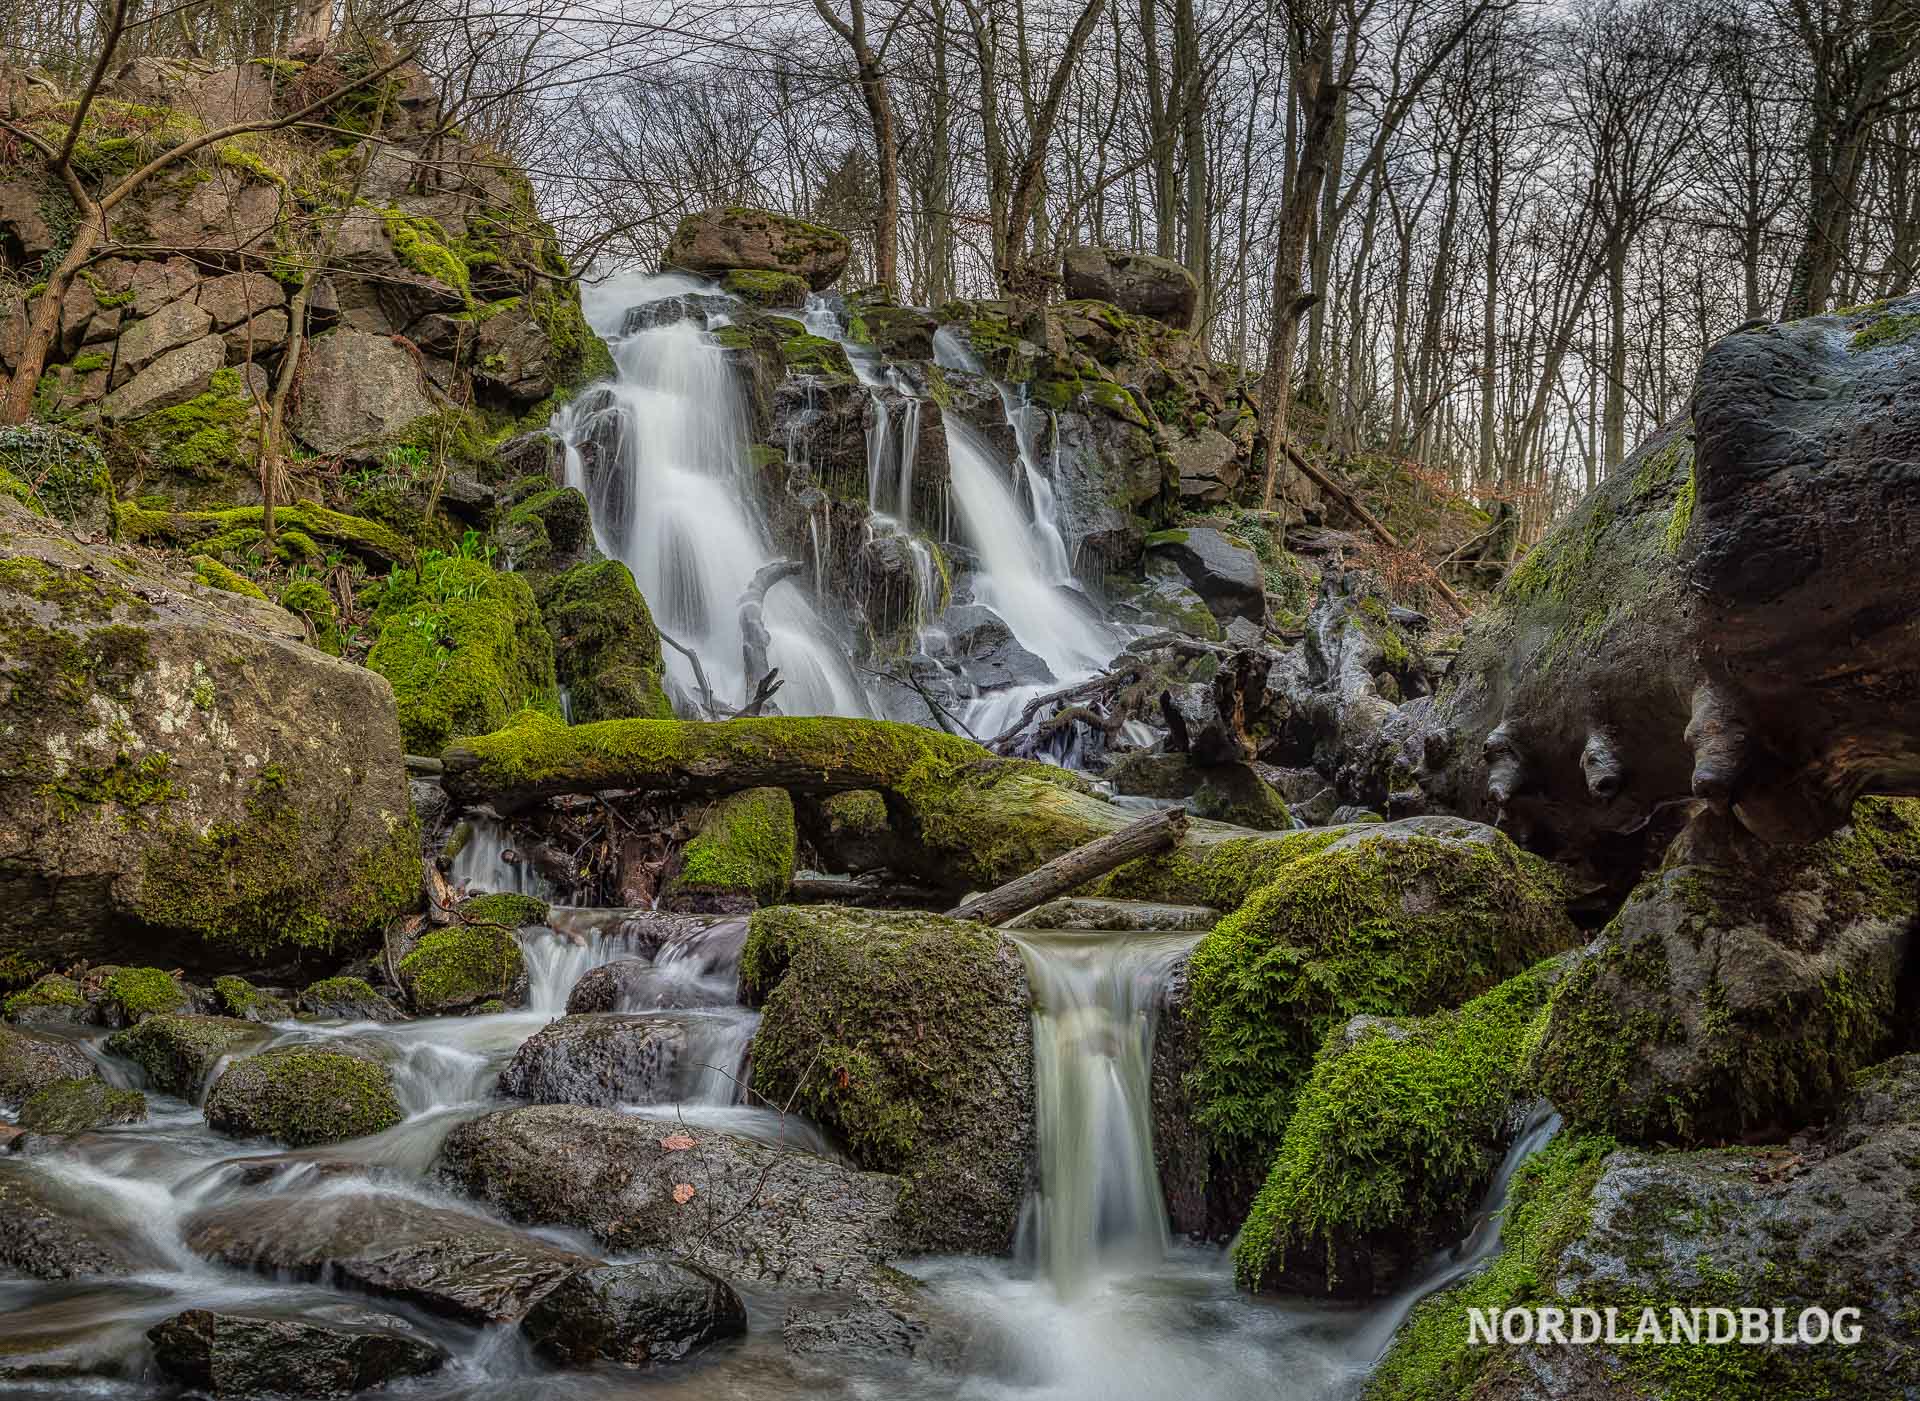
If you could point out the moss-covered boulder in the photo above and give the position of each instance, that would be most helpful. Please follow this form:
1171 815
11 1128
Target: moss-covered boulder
236 997
179 1052
722 239
506 910
304 1094
464 649
50 1001
77 1105
606 649
545 529
130 995
462 964
742 856
30 1061
56 473
1741 986
181 780
1380 919
910 1036
766 289
1392 1143
1591 1226
347 1000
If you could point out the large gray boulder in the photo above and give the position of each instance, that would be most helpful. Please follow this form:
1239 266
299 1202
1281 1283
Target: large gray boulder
1223 571
183 781
746 1209
599 1060
647 1312
170 381
1140 283
447 1262
722 239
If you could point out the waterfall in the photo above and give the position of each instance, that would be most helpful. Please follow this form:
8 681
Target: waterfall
671 491
1099 1206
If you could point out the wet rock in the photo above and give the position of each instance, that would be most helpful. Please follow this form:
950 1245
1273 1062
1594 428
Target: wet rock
122 997
685 306
618 986
444 1261
356 388
1164 599
1233 793
458 966
982 649
347 1000
754 1211
1225 573
742 855
721 239
651 1311
304 1094
178 1051
598 1060
1740 988
1088 912
329 1351
933 1016
1140 283
74 1106
30 1061
1783 1228
52 1232
885 1316
50 1001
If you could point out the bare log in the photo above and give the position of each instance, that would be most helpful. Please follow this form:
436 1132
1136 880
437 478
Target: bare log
1155 832
1124 675
754 638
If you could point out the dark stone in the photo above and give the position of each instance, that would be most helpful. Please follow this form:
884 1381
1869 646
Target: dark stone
599 1060
983 651
886 1317
334 1350
1223 572
636 985
30 1062
756 1211
444 1261
52 1233
647 1312
348 1000
1140 283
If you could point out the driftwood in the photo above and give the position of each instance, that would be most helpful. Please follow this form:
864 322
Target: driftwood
1123 675
1155 832
707 702
754 638
1239 691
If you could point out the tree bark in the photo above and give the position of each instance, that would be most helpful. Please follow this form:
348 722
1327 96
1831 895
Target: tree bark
1156 832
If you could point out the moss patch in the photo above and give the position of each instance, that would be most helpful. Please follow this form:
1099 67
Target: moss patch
460 965
606 648
75 1106
216 575
301 1095
134 994
746 845
178 1052
49 993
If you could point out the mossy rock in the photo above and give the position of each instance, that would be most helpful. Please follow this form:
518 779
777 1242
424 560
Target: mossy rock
1591 1226
236 997
304 1094
216 575
75 1106
1385 920
237 530
455 967
188 785
547 528
507 910
1392 1143
199 453
179 1051
605 646
131 995
30 1061
347 1000
51 1000
56 473
463 647
816 357
742 856
1740 987
910 1037
312 602
766 289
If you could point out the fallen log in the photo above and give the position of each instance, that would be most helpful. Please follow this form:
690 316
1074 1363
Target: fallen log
1155 832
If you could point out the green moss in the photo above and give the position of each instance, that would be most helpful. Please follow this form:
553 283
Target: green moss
509 911
303 1095
1394 1136
312 602
1549 1205
464 648
1682 515
48 991
75 1106
131 785
215 532
248 155
1373 925
239 998
576 354
606 649
139 993
459 965
55 473
212 438
1886 330
216 575
818 357
747 844
178 1051
861 813
423 245
232 886
766 289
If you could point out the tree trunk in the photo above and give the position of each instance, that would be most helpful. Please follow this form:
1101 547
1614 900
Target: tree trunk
1156 832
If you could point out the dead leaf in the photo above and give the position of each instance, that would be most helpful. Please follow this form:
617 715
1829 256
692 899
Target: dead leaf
683 1192
677 1142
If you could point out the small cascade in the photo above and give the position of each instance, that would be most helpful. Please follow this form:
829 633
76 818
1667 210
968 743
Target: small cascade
1099 1207
491 864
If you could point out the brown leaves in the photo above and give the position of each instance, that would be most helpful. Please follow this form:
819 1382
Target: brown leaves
677 1142
683 1192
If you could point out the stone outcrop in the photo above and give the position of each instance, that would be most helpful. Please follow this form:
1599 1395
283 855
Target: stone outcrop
330 1351
1138 283
723 240
183 776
